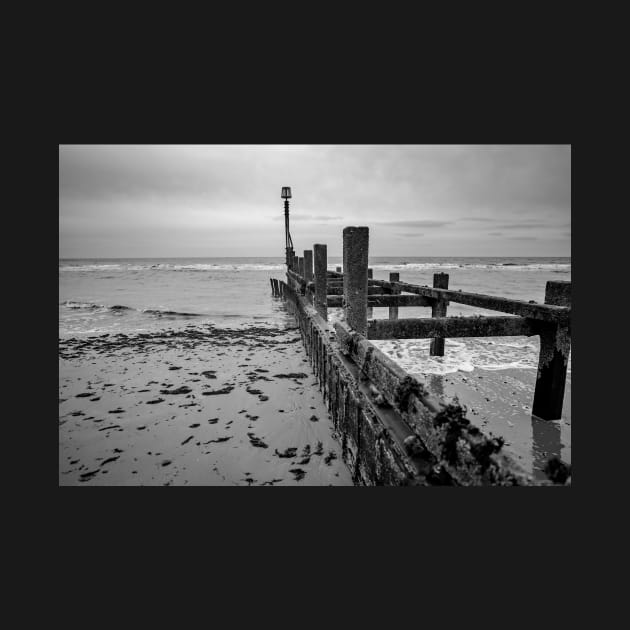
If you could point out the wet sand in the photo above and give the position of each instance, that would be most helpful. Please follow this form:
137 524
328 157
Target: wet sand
499 403
196 406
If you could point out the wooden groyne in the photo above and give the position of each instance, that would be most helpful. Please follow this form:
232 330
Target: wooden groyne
393 430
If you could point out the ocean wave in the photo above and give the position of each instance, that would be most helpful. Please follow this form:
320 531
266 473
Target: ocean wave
80 305
159 313
556 267
464 355
209 267
121 308
172 267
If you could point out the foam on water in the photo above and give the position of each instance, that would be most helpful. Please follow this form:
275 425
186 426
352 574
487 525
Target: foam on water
460 355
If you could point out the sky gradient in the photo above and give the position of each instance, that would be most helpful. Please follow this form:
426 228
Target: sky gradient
213 200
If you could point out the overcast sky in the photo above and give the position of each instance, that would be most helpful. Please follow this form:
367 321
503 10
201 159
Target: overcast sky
212 200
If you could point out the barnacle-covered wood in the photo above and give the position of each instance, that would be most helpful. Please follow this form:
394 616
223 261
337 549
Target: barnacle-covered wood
466 454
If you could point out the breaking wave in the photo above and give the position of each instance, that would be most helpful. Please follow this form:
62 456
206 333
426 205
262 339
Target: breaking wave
119 308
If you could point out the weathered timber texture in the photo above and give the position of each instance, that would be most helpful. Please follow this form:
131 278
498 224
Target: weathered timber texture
394 276
544 312
295 264
447 327
467 455
301 266
339 290
555 344
558 293
440 281
321 279
355 281
370 310
308 265
379 299
371 437
296 282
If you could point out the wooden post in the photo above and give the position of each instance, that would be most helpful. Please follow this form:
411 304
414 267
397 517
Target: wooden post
440 281
272 289
555 343
355 277
394 276
308 265
370 310
321 279
338 269
295 264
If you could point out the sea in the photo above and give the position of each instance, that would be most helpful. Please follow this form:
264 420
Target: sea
134 295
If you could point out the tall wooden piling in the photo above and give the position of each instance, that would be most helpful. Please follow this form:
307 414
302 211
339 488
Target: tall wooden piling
355 277
370 310
301 266
394 276
440 281
555 344
308 265
321 279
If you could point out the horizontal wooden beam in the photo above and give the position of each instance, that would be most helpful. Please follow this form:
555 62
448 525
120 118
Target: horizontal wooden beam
339 290
543 312
447 327
380 299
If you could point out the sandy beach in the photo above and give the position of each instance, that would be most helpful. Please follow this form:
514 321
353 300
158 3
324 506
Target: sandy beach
194 406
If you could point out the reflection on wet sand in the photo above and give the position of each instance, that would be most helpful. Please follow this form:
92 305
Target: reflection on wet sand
546 443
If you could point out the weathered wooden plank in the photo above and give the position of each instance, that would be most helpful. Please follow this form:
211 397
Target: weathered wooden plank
450 327
381 299
339 290
544 312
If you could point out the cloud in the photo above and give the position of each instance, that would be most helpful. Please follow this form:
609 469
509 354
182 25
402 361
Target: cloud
411 234
427 223
528 225
495 233
153 200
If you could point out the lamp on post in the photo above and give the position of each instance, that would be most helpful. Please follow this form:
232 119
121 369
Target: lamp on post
286 195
